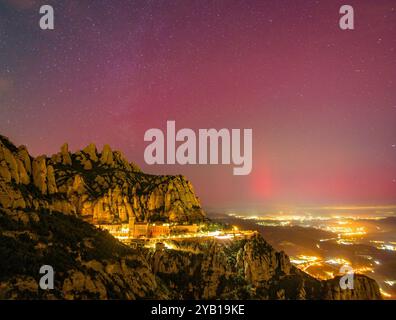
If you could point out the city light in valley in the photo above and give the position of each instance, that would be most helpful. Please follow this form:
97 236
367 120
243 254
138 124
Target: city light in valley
345 236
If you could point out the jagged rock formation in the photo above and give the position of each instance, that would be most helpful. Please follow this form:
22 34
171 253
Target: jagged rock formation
364 288
91 264
88 263
245 269
100 186
42 201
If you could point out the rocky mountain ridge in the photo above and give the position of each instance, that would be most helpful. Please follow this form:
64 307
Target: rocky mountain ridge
99 186
45 200
90 264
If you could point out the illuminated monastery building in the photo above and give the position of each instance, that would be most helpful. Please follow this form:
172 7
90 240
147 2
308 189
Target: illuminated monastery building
124 231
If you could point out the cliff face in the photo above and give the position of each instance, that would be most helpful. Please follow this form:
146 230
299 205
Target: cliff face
218 269
88 263
91 264
245 269
364 288
101 187
42 201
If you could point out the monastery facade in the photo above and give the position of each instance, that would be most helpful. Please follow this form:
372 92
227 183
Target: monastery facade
136 230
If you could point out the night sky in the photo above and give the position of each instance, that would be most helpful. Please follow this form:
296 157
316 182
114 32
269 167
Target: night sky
321 101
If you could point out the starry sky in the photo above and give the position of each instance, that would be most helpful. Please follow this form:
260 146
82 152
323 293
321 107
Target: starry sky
321 101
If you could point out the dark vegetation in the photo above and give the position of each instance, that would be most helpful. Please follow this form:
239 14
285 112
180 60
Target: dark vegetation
66 240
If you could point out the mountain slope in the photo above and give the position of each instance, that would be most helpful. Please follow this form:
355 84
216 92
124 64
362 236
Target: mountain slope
44 202
88 263
91 264
101 187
